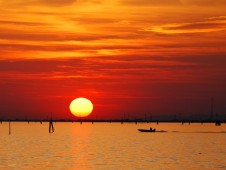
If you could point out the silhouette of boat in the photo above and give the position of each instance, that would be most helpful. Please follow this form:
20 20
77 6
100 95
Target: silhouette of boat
147 130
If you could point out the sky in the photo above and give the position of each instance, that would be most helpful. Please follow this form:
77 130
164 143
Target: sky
132 59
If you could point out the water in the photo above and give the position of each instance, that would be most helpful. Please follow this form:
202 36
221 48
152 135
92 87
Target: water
112 146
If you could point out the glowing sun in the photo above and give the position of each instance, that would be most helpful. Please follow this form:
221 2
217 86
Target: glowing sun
81 107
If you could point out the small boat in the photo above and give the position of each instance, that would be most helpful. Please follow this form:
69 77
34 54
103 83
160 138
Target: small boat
147 130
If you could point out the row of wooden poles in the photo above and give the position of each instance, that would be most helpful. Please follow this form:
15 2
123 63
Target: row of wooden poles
51 127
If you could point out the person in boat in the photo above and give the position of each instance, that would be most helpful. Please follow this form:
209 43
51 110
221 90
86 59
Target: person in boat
150 129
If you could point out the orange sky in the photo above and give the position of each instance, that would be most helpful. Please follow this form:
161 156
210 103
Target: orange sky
127 56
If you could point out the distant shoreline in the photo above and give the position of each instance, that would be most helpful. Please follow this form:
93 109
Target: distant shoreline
115 121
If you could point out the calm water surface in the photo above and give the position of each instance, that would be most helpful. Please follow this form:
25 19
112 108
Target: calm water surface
112 146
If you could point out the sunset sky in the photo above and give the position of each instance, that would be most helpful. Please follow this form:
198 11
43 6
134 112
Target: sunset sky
129 57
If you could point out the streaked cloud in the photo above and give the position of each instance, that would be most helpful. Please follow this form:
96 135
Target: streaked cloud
53 3
205 2
151 2
211 25
57 2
